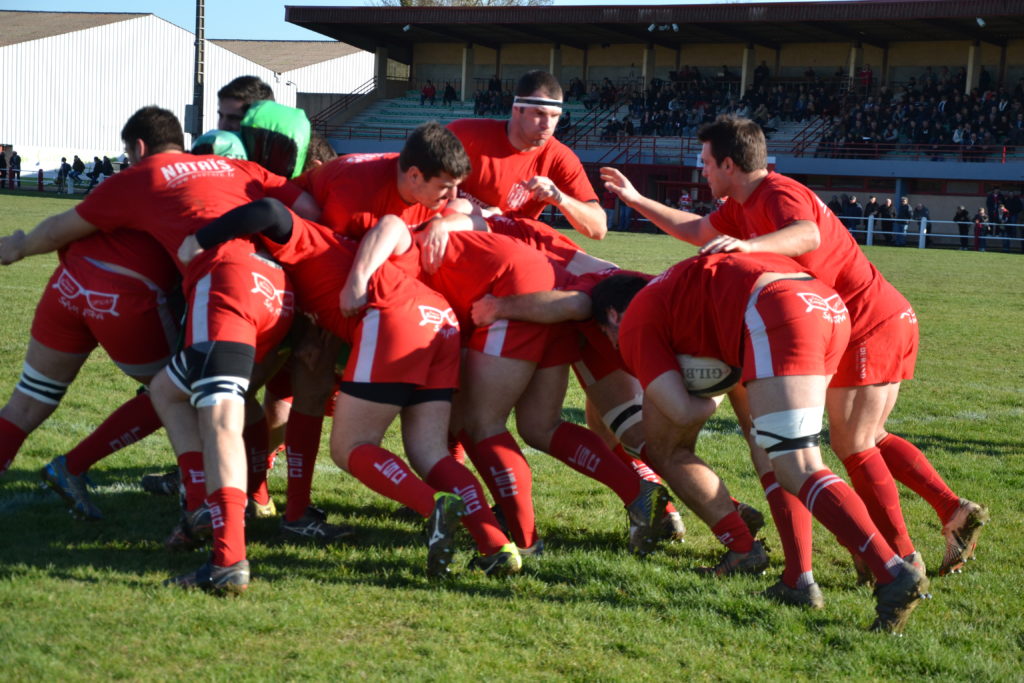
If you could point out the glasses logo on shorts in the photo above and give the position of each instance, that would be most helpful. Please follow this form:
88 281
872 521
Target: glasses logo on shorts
284 299
99 303
833 308
438 318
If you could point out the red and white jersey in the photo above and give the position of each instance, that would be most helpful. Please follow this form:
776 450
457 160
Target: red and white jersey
696 307
171 195
500 170
838 262
355 190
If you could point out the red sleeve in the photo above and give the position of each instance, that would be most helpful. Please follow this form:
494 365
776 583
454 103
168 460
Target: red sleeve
572 179
286 193
108 206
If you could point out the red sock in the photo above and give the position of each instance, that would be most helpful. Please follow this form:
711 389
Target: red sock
450 475
733 533
133 421
911 468
793 522
642 469
841 511
227 515
456 449
11 438
385 473
503 468
875 486
302 441
193 478
257 443
585 452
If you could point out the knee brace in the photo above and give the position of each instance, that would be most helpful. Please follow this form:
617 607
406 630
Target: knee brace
214 372
788 430
620 418
36 385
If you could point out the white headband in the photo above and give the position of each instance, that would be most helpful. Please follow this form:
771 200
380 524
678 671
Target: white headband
537 102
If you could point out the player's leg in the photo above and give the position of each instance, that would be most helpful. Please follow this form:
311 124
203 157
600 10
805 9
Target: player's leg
670 451
787 416
855 414
490 387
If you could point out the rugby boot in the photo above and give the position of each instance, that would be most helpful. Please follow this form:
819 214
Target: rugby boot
809 596
441 527
645 514
754 562
898 598
961 532
71 487
232 580
505 562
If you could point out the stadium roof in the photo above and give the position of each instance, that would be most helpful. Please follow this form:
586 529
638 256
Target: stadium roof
20 27
287 55
769 24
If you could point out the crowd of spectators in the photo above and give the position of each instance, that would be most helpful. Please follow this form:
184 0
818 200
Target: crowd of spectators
929 111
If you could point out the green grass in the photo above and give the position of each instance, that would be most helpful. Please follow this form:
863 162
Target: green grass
84 601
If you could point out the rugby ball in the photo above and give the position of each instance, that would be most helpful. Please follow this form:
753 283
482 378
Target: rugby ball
707 377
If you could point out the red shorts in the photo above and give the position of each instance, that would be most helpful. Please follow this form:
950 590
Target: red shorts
415 342
84 305
887 354
794 327
598 358
244 298
546 345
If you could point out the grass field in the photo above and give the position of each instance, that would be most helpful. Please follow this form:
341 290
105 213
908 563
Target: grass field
83 601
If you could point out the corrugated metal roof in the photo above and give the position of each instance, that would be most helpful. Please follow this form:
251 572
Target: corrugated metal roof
19 27
286 55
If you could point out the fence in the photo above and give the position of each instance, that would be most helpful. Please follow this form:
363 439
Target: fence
922 233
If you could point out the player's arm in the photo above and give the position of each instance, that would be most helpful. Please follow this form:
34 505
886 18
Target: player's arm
554 306
306 206
683 225
669 394
799 237
588 218
50 235
267 216
389 237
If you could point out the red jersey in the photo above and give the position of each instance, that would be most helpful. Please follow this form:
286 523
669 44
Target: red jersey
500 170
318 261
127 252
171 195
695 307
355 190
478 263
838 261
538 235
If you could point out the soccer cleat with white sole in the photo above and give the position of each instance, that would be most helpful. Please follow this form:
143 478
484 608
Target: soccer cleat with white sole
961 532
311 527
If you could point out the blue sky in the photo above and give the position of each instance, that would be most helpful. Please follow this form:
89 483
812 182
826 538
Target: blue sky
260 20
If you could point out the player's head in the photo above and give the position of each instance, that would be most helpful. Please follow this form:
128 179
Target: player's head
151 130
536 109
611 298
319 153
235 98
432 164
731 144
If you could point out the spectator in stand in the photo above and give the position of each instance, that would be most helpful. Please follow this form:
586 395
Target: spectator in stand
904 214
1015 206
449 96
993 200
77 169
761 74
592 98
963 224
883 219
852 214
1000 219
921 216
576 90
685 201
866 76
3 168
982 228
494 86
62 175
871 208
15 164
429 92
95 173
108 167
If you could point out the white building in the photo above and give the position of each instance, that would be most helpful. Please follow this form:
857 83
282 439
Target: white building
71 79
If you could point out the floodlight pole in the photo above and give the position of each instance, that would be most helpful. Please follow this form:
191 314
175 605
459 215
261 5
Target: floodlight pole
198 78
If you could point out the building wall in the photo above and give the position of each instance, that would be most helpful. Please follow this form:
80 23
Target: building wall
76 90
335 76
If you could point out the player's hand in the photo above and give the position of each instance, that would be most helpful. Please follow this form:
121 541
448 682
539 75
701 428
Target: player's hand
544 189
485 310
724 244
352 299
12 248
189 249
433 246
619 185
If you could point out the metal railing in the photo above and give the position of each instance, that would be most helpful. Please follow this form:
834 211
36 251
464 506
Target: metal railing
923 233
320 120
